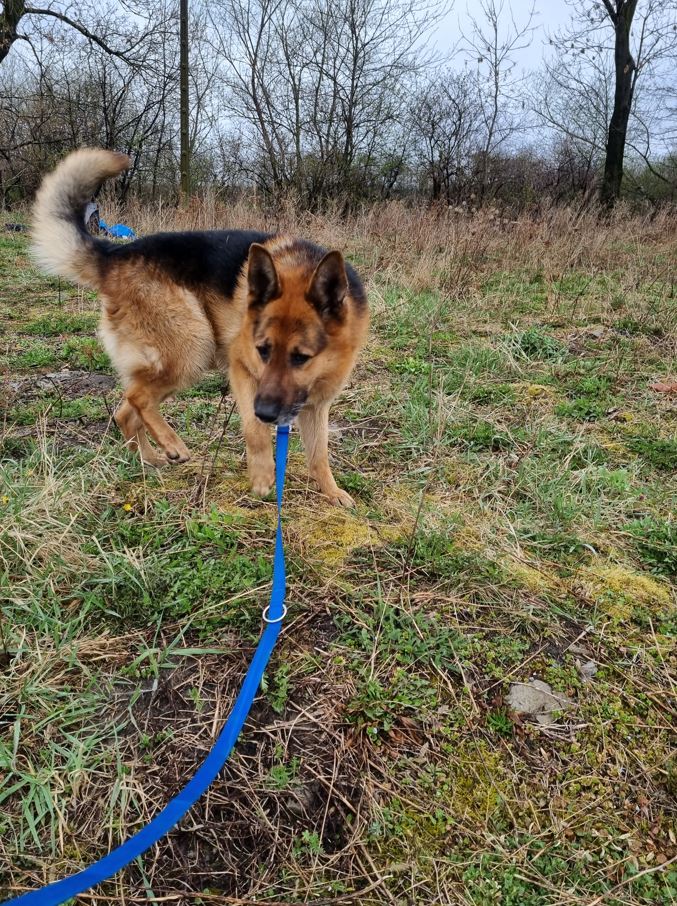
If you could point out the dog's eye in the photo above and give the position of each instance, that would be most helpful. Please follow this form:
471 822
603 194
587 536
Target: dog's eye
264 352
298 359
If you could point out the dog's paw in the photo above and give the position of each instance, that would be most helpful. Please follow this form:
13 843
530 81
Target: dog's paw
341 498
263 481
154 459
262 488
176 458
176 453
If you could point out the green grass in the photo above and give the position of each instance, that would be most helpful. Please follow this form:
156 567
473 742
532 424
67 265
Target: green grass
535 344
59 323
656 541
516 487
661 453
78 352
56 407
86 353
27 354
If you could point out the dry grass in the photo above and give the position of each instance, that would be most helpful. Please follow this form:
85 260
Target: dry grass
422 243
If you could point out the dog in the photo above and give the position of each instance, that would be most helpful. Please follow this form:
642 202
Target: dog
282 316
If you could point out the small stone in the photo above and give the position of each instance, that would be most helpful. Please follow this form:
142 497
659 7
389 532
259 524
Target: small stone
586 670
537 700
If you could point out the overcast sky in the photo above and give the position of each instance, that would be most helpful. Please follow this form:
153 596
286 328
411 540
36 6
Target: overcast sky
549 15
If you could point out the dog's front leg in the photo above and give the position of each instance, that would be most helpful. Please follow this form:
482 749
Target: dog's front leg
314 425
260 465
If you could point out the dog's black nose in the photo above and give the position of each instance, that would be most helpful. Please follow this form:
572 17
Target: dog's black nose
267 409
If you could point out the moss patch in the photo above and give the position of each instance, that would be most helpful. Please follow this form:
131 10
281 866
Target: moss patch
528 577
617 591
329 538
529 393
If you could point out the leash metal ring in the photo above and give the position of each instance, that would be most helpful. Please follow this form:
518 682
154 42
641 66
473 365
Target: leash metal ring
266 619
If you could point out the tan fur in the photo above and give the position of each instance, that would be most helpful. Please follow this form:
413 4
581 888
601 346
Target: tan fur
325 375
56 245
161 337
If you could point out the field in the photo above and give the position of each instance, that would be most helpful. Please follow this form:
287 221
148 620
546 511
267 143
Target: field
510 437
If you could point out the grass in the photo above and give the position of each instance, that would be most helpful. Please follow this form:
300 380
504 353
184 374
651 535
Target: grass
515 479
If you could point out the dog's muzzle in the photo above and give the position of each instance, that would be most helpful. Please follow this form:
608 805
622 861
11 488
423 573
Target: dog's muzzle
267 410
272 412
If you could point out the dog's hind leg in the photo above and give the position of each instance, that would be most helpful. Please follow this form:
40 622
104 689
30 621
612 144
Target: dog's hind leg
145 398
129 422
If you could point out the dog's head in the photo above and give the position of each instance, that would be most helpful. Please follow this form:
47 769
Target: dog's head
297 311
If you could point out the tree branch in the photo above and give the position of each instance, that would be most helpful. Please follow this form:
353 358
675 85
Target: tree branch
33 11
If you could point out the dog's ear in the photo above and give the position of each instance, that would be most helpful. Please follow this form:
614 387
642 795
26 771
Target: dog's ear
328 286
264 284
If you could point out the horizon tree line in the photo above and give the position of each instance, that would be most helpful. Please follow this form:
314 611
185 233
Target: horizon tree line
345 101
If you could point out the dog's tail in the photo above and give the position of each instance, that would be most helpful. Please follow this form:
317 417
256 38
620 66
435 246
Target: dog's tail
61 244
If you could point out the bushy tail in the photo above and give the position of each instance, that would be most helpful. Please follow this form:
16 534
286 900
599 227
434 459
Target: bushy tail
61 244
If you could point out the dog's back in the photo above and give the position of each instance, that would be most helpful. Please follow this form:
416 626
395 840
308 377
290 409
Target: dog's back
203 261
62 245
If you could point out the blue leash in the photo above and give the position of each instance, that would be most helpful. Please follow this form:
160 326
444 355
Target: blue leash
59 891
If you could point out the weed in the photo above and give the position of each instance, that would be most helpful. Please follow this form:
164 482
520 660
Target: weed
277 689
633 327
307 845
480 435
659 452
656 542
535 344
500 723
584 409
359 484
376 706
406 639
282 774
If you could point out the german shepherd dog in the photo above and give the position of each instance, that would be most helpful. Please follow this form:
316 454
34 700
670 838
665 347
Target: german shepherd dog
284 317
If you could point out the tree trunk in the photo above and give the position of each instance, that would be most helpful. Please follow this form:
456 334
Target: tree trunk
10 16
618 125
184 104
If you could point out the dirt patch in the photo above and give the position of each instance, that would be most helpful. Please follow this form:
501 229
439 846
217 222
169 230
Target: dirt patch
68 384
67 433
580 339
281 795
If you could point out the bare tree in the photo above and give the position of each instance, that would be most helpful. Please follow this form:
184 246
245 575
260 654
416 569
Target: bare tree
603 53
446 122
14 13
56 95
321 85
494 41
575 100
184 103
